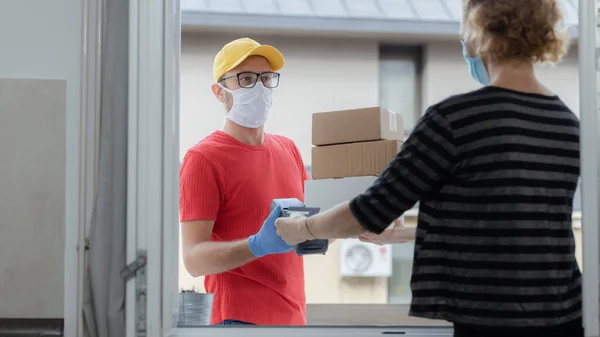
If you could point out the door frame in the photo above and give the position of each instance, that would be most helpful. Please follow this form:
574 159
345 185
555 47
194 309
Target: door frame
149 169
82 144
589 78
153 162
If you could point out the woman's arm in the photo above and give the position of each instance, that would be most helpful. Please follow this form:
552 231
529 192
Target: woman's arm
397 234
335 223
391 236
426 159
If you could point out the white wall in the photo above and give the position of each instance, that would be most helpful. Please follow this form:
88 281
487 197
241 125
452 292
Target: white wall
41 39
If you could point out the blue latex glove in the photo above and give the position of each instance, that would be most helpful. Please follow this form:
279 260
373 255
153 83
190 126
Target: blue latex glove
266 241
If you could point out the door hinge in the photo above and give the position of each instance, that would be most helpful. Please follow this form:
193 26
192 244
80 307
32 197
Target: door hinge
137 268
132 269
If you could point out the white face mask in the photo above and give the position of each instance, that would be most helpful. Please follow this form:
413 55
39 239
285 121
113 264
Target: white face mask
251 106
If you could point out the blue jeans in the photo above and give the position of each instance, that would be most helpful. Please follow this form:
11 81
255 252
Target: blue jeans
234 322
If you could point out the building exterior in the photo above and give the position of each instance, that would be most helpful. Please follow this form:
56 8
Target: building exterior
403 54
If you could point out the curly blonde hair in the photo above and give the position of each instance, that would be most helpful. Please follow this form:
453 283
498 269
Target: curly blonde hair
507 30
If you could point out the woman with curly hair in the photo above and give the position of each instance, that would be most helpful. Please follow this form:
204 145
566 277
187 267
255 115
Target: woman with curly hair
495 171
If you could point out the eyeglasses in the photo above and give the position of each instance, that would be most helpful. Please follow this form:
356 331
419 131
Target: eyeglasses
248 79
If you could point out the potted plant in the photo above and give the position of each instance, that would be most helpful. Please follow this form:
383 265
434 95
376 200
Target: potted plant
194 308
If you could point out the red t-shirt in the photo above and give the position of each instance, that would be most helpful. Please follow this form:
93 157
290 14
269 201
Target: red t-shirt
233 183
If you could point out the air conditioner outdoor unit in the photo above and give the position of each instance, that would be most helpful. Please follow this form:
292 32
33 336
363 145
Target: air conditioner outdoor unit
360 259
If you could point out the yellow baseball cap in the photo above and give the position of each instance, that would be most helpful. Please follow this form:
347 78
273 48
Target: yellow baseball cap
235 52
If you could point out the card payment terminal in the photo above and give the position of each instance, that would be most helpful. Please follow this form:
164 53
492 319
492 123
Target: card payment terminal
293 206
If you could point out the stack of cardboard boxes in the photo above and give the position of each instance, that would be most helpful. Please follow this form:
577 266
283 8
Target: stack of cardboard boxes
352 147
354 143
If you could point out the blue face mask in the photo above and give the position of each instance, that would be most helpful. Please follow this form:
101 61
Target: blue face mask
476 66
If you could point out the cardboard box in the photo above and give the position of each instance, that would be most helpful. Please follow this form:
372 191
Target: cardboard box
353 159
358 125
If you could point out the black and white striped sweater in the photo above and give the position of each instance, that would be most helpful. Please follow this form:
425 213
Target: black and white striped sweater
494 171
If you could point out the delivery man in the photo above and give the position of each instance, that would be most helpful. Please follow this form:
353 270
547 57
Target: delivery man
227 183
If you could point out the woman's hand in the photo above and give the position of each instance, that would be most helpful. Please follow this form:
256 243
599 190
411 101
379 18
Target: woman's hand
398 234
293 229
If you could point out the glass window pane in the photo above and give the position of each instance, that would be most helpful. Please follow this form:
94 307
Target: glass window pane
398 88
399 283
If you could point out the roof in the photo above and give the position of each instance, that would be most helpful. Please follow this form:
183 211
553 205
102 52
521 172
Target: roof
440 17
